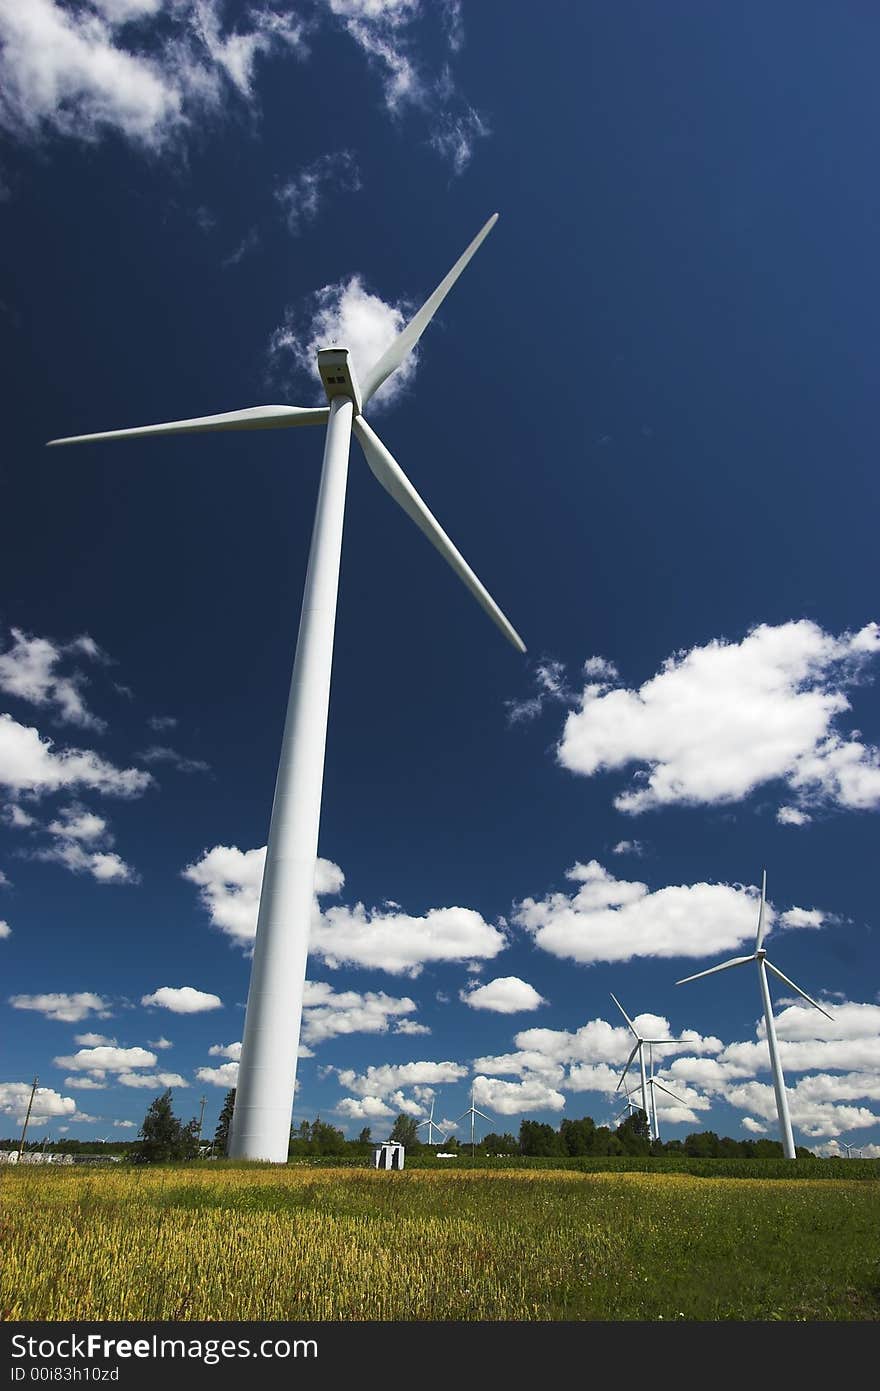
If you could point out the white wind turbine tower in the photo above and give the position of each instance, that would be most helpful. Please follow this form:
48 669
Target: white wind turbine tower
267 1072
654 1084
431 1126
760 956
849 1149
640 1049
473 1113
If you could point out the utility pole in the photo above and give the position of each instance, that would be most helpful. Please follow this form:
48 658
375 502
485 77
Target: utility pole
27 1118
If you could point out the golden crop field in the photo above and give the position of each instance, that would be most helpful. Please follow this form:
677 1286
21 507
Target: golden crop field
253 1242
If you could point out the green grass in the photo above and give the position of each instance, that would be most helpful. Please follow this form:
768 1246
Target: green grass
250 1242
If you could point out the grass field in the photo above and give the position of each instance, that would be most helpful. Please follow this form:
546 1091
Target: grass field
254 1242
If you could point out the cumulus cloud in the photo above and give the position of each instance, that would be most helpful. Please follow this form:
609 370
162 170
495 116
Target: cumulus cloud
94 1040
229 882
516 1098
182 999
14 1098
105 1058
503 995
365 1108
226 1075
327 1014
5 929
721 720
388 1079
81 843
29 764
303 194
232 1051
754 1127
628 847
385 938
609 919
151 1080
345 314
29 668
160 1043
67 1009
84 70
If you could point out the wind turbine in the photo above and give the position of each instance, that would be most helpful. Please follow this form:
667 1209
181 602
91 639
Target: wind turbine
849 1149
640 1049
260 1126
473 1113
654 1084
760 956
628 1107
431 1126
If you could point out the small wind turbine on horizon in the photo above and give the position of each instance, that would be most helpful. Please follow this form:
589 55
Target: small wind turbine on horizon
260 1126
431 1126
639 1048
654 1084
473 1113
760 956
849 1149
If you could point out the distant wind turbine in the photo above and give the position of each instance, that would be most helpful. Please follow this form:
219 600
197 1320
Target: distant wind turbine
850 1149
473 1113
760 956
260 1126
655 1085
431 1126
639 1048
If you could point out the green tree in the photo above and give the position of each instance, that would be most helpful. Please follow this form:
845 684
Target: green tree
634 1135
496 1144
405 1132
703 1144
537 1138
364 1137
577 1136
163 1137
221 1134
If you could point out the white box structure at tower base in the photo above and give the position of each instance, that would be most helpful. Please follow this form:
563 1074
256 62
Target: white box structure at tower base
388 1156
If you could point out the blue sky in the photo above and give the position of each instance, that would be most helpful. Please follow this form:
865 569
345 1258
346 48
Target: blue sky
646 415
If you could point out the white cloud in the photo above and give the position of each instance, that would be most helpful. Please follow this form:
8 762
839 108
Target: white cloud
803 917
387 1079
232 1051
516 1098
159 723
17 817
14 1098
455 134
816 1118
303 194
182 999
29 668
755 1127
721 720
409 1026
76 828
85 1084
159 753
609 919
503 995
229 882
151 1080
5 929
792 816
69 70
29 764
328 1015
385 939
68 1009
551 686
105 1058
365 1108
628 847
226 1075
347 315
94 1040
124 1125
379 28
160 1043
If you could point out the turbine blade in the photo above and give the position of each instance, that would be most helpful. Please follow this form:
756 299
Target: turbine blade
625 1015
395 482
483 1114
626 1069
734 961
776 971
410 335
251 418
679 1099
762 912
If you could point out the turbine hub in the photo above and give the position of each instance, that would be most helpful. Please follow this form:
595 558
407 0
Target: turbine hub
338 376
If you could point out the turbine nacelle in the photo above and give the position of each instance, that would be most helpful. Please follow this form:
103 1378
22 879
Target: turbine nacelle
338 376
